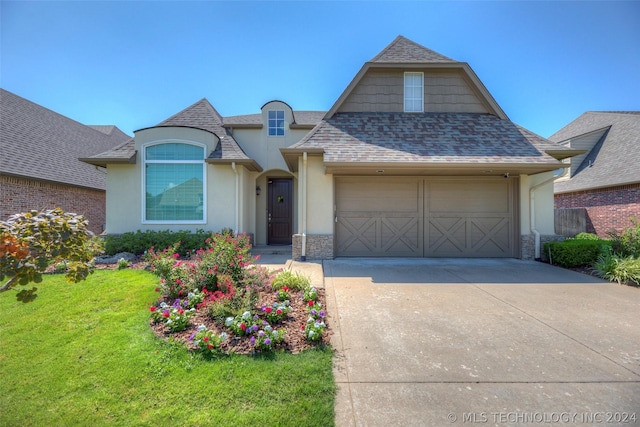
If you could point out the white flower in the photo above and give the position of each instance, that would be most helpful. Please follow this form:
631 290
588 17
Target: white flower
228 321
202 328
223 336
246 315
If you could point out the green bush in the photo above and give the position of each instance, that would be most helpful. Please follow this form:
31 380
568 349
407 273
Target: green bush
586 236
293 281
574 252
627 243
141 241
613 267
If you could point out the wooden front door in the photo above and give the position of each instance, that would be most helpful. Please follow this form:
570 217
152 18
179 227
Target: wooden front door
279 211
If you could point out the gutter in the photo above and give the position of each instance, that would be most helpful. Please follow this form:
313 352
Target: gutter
237 212
532 210
303 256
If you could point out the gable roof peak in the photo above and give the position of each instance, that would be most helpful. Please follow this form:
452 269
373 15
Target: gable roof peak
403 50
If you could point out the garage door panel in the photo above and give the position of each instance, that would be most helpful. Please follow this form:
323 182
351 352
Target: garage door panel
434 217
469 196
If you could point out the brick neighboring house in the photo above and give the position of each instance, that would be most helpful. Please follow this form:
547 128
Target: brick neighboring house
39 166
606 179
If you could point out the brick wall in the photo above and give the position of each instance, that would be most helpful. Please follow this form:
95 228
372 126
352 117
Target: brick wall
22 195
607 208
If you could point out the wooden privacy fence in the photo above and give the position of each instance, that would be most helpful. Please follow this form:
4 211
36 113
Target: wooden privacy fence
569 222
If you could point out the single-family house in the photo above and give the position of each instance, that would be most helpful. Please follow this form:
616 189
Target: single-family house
39 166
415 158
605 180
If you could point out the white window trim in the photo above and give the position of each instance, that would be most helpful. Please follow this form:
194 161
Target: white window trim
404 94
144 184
284 131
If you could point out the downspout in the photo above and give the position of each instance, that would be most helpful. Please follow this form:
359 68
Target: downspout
237 212
303 256
532 211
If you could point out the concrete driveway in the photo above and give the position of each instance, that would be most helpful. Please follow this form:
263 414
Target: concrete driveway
437 342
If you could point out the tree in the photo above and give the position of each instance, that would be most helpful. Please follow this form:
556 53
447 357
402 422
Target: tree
31 241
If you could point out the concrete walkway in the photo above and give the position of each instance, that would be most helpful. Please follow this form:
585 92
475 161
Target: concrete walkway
437 342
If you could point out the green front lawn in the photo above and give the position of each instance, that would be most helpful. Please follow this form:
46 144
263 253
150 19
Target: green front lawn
83 354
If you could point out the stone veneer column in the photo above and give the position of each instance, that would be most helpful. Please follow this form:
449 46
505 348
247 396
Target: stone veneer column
319 246
528 246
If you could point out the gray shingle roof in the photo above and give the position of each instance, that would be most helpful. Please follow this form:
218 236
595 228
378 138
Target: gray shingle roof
614 160
403 50
200 115
41 144
427 138
302 118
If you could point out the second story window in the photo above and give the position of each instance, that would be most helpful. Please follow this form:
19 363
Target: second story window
276 123
413 92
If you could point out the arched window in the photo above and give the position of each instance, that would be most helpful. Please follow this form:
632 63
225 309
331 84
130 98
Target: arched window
174 183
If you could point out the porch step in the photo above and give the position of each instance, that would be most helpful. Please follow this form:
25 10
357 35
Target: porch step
271 250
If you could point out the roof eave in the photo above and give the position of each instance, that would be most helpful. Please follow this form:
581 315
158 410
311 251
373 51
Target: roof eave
104 161
291 155
242 125
441 169
590 188
564 154
250 164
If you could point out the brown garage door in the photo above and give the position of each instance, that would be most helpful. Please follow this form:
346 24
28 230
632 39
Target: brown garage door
433 217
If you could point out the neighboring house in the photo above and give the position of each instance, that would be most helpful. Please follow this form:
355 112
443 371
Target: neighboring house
605 180
415 158
39 167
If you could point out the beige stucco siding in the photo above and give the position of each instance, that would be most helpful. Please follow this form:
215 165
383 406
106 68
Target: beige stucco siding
445 91
320 201
124 205
544 216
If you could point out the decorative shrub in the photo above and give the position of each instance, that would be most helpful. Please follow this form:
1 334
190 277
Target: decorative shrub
574 252
123 263
626 243
293 281
140 241
226 254
586 236
613 267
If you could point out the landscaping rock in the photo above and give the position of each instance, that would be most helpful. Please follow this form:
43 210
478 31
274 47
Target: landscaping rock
128 256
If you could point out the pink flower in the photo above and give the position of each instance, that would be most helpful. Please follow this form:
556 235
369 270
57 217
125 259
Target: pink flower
152 308
157 289
310 303
268 310
165 313
180 311
243 326
285 288
205 339
209 346
278 311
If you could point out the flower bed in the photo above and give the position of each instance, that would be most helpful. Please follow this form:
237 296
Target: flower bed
218 301
293 324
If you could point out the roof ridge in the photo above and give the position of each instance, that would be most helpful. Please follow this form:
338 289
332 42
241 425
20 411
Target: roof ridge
416 48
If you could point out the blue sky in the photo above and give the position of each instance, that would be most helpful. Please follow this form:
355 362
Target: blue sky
133 64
